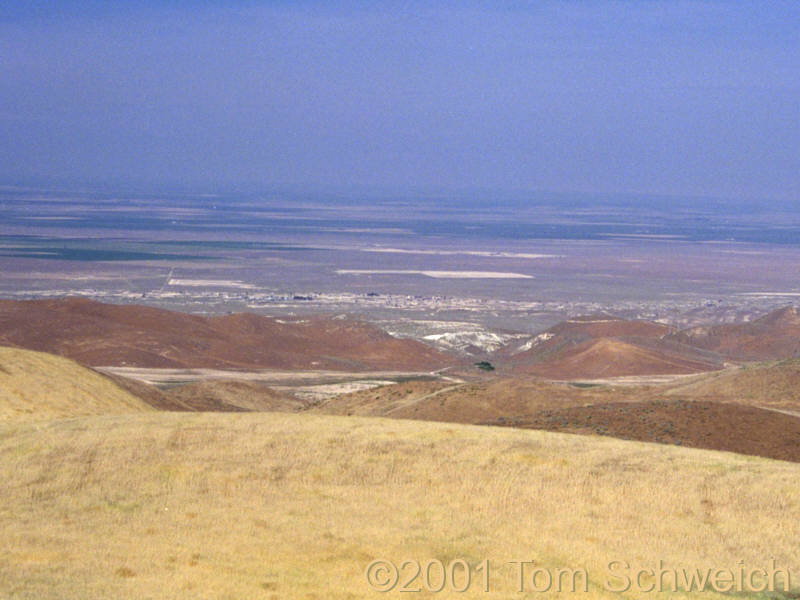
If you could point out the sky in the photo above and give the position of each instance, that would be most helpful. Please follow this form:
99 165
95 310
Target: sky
683 98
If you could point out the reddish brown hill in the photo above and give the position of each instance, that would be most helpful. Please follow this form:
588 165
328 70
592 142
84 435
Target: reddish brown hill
772 337
568 334
604 326
603 346
571 350
113 335
716 426
612 357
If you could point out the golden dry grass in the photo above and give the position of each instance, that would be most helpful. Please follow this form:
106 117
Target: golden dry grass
166 505
36 385
772 384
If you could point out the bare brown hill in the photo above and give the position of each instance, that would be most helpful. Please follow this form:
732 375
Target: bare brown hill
597 326
772 337
710 425
94 333
604 346
614 357
568 334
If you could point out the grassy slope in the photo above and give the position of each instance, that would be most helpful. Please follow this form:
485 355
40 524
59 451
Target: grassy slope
773 384
233 395
168 505
478 402
38 385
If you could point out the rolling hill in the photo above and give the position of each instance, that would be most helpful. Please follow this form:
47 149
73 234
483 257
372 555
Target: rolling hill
772 384
603 326
232 396
177 505
696 424
598 346
734 410
475 402
569 333
36 385
218 395
615 357
99 334
772 337
602 346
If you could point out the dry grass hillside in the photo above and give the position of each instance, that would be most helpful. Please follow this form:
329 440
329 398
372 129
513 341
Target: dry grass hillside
696 424
169 505
216 395
35 385
733 410
774 384
232 396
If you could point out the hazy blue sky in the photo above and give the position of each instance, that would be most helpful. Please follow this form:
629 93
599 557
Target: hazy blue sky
643 96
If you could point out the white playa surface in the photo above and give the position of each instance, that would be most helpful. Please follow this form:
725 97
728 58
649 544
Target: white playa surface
769 294
487 253
438 274
644 236
315 393
211 283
